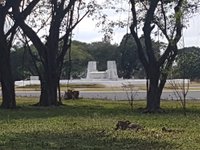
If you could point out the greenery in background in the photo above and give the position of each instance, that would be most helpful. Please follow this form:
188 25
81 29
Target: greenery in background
102 52
88 125
81 53
125 55
130 63
188 64
79 60
22 63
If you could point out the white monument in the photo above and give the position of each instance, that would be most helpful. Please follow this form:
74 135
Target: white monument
110 73
32 78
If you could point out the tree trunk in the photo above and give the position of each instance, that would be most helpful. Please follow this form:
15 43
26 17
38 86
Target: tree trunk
153 92
7 82
153 97
6 79
48 95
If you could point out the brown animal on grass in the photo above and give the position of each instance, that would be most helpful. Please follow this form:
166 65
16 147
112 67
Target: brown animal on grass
70 94
127 125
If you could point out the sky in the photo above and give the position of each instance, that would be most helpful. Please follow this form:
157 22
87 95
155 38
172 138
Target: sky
87 32
192 33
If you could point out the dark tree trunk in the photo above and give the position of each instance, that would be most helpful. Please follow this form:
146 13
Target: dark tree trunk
49 85
154 90
48 95
8 90
6 79
153 96
7 82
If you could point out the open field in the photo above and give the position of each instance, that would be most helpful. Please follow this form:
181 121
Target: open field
89 125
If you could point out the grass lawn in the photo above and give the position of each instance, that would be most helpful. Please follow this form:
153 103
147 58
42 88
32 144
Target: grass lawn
89 125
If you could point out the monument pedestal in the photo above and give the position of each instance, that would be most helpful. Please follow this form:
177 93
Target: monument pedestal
110 73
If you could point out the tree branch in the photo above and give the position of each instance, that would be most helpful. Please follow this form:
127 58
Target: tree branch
133 29
178 15
148 29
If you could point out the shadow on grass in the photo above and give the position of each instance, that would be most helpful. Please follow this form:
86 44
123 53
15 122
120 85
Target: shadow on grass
32 112
81 140
83 108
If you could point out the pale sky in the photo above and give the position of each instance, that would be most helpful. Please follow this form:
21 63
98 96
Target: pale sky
192 33
87 32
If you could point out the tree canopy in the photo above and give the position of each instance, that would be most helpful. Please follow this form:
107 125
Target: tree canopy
153 18
187 64
59 18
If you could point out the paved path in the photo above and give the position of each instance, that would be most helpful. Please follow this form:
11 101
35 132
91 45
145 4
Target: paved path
115 95
122 95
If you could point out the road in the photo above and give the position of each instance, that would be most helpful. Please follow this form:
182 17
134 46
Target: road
115 95
122 95
112 94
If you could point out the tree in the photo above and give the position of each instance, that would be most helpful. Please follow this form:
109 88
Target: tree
163 19
7 32
129 57
59 18
130 62
166 17
188 63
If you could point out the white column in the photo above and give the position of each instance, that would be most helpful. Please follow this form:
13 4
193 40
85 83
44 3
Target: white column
92 67
112 70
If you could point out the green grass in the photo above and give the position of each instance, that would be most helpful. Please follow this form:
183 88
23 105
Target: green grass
89 125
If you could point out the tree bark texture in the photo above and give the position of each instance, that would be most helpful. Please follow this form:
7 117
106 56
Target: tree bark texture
49 88
153 90
6 79
7 84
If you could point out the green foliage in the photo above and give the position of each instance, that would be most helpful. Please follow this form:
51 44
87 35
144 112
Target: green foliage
130 62
89 124
79 60
81 53
22 64
125 55
188 63
102 52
